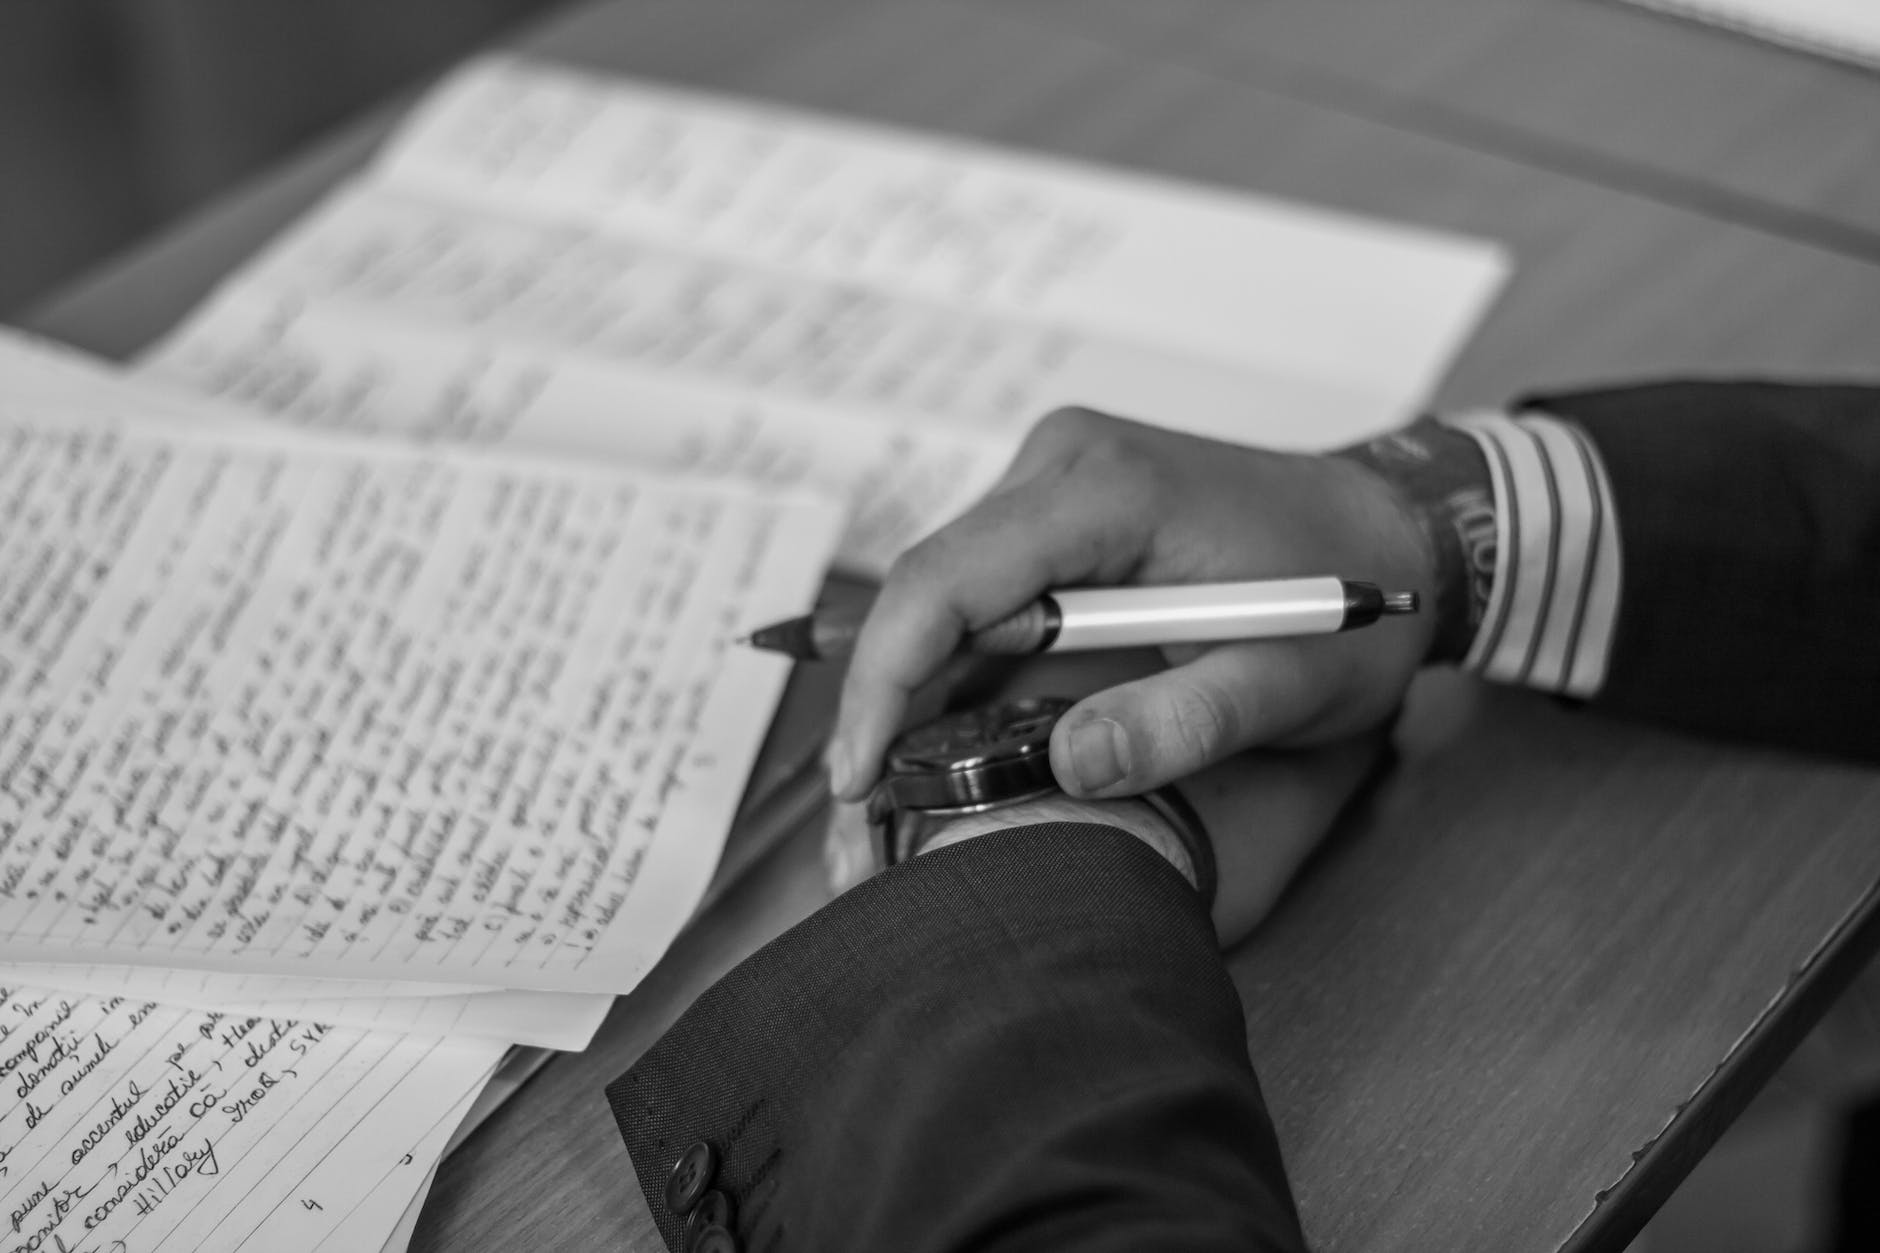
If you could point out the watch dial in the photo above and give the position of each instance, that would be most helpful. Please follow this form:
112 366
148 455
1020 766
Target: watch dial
1013 728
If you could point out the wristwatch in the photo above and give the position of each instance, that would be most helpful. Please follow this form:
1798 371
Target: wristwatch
986 758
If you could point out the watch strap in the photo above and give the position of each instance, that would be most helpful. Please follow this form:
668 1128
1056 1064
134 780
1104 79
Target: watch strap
1174 809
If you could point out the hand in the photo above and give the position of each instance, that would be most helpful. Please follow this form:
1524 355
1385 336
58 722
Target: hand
1094 500
1265 812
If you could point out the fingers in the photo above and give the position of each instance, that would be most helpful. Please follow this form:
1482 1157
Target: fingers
1056 441
1157 729
1058 529
1266 811
967 575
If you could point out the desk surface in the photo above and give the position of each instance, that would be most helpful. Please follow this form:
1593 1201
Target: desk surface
1509 1005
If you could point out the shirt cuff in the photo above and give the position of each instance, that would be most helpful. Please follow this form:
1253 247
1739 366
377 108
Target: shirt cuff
1554 599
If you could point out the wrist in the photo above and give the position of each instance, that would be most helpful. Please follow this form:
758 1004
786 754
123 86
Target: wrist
1130 814
1441 479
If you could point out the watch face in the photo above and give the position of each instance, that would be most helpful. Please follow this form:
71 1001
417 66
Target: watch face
963 762
1004 731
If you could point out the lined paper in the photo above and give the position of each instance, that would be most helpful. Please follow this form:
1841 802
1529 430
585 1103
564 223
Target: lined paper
1192 269
554 1020
337 366
550 260
142 1126
368 712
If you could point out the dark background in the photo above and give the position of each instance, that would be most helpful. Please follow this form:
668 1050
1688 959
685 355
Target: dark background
116 115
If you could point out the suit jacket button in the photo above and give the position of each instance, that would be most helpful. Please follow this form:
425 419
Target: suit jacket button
691 1177
713 1210
713 1240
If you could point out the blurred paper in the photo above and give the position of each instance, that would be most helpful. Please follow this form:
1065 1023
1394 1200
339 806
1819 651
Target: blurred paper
1191 269
555 1020
545 259
354 710
148 1127
1848 30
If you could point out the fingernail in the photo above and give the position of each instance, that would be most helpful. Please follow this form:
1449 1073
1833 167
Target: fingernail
1099 754
836 762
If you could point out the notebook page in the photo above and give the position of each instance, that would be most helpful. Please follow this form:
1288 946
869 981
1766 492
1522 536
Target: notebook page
1845 29
553 1020
387 1217
170 1129
1233 276
362 711
839 345
383 312
366 369
517 1069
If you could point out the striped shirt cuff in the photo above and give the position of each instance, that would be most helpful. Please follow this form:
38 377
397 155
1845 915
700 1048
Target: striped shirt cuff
1555 596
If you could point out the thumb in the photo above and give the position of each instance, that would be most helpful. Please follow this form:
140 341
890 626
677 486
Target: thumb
1142 734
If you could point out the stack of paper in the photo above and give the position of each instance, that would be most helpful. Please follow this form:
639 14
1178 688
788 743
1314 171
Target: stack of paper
550 260
376 759
331 768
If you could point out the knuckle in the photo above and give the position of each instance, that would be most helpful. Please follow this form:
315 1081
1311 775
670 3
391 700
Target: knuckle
1069 433
1066 421
916 580
1200 722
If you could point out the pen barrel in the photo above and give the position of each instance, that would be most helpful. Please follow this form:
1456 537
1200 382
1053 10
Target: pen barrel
1094 618
1031 630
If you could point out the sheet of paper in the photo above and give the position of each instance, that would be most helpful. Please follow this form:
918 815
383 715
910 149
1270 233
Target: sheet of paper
384 312
56 377
400 1239
1847 29
142 1126
362 711
739 327
1229 276
380 1217
336 366
554 1020
517 1069
545 259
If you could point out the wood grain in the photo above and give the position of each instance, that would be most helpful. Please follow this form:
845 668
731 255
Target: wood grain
1533 977
1619 95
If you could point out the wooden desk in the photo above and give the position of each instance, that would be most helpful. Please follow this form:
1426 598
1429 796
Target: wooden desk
1509 1006
1610 92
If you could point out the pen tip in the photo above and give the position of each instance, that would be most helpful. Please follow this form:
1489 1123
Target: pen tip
1400 602
741 639
795 637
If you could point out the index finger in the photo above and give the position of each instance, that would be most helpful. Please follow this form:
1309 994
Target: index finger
992 560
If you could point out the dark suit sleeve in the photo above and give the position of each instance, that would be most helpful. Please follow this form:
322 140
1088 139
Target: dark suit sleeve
1749 519
1026 1041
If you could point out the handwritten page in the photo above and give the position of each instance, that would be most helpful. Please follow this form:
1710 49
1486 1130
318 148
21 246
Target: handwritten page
378 1218
146 1127
363 711
385 312
1231 276
554 1020
516 1070
329 365
738 326
545 259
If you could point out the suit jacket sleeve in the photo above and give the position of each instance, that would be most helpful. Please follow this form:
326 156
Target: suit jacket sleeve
1026 1041
1749 516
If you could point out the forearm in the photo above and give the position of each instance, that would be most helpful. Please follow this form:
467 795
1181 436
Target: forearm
1749 514
1024 1041
1706 555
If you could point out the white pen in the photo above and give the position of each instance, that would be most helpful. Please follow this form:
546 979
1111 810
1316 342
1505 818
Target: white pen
1084 618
